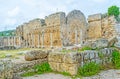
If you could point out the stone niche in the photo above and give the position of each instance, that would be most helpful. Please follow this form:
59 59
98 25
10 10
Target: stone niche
69 62
75 28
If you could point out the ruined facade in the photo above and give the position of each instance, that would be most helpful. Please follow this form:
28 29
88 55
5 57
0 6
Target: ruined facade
101 27
55 30
59 29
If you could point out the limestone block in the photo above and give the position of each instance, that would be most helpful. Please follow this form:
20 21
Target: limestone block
71 58
56 57
86 55
35 54
112 41
94 17
100 43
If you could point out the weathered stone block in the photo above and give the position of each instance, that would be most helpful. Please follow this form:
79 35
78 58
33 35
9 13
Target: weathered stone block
94 17
56 57
71 58
36 54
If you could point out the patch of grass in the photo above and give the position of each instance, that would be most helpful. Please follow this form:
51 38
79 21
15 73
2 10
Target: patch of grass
39 69
65 73
116 59
28 74
84 48
42 68
89 69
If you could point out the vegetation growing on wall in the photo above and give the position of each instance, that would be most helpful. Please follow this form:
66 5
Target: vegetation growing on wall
116 59
89 69
38 69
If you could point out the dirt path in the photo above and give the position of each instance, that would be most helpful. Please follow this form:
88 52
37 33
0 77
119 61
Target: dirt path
109 74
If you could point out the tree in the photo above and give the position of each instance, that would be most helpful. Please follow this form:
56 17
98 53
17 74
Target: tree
113 10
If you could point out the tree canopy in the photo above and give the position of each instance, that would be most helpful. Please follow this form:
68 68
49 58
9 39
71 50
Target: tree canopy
113 10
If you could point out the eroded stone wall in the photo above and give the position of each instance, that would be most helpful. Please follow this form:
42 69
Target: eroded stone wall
10 41
101 27
55 30
59 29
6 69
69 62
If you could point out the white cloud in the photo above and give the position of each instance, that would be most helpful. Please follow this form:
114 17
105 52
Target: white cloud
99 1
10 21
15 11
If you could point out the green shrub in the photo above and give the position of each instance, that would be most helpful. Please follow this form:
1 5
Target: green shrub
42 68
116 58
89 69
39 69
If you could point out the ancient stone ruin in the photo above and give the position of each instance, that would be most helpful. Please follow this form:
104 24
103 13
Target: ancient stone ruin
59 29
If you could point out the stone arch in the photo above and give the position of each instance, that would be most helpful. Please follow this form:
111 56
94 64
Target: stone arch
76 23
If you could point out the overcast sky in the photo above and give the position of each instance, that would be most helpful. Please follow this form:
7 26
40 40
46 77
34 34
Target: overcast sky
16 12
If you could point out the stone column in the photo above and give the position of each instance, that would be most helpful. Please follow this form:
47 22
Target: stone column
14 40
3 41
9 41
32 39
38 40
76 37
29 40
19 41
51 41
81 39
42 40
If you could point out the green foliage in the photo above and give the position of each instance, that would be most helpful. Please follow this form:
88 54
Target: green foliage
66 51
113 10
39 69
116 58
65 73
101 55
85 48
42 68
89 69
7 33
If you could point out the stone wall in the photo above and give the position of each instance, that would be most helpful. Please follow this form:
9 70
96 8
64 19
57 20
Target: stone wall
94 26
50 32
22 67
10 41
69 62
101 27
6 69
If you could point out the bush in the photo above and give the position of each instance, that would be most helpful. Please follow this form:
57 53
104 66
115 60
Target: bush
89 69
42 68
39 69
116 59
